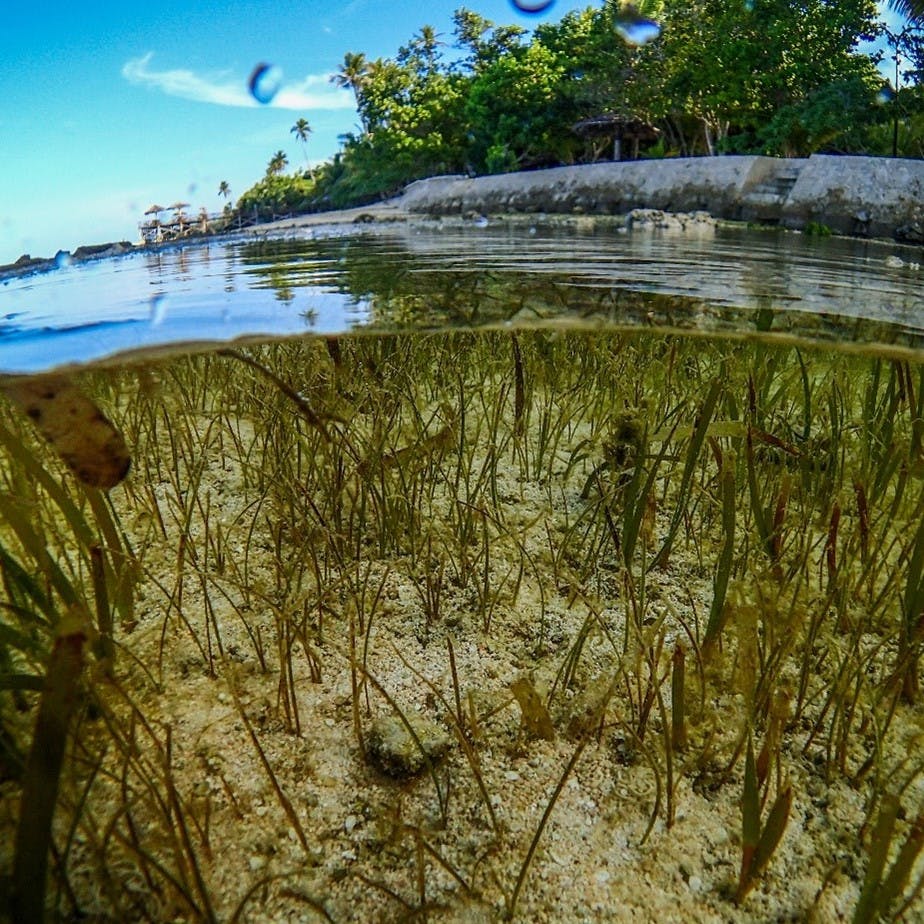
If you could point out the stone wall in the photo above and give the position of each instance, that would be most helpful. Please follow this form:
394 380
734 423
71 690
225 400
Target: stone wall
879 196
853 195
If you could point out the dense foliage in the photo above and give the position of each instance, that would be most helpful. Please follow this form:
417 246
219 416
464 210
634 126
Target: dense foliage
779 77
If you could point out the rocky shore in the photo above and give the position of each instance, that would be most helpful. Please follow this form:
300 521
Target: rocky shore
28 264
861 196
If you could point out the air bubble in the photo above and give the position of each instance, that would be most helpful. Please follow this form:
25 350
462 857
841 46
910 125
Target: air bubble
158 308
635 29
532 7
63 259
265 82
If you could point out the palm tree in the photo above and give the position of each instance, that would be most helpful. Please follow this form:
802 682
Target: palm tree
224 189
277 164
425 44
352 76
302 130
910 9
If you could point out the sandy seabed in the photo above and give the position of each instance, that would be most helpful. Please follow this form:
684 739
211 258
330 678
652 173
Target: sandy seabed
437 532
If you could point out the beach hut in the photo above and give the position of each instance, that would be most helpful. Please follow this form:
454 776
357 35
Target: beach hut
150 230
179 219
628 134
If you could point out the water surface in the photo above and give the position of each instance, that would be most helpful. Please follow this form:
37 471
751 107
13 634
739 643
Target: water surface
460 275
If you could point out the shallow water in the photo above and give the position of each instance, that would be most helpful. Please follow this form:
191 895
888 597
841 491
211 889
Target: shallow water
517 538
596 553
421 277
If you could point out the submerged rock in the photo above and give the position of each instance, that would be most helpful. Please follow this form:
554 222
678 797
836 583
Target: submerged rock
392 748
910 233
97 251
656 219
25 264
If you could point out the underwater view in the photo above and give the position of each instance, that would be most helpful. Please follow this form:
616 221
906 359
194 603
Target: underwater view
506 594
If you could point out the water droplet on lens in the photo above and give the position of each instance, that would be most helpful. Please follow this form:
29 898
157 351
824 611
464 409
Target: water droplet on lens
62 259
532 6
885 96
265 82
633 28
158 308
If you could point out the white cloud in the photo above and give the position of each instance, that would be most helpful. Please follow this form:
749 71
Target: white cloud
313 92
223 89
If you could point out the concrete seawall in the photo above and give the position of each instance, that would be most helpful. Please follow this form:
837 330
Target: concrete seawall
867 196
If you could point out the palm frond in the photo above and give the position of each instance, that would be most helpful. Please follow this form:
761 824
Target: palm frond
910 9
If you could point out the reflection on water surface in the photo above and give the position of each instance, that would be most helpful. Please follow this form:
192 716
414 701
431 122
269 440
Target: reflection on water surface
418 277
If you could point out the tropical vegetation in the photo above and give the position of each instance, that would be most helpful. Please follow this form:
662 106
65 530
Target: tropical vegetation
719 76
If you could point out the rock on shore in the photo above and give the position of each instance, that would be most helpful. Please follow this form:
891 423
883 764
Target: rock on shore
29 264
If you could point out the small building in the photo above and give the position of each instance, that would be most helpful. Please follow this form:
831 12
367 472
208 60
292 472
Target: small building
628 133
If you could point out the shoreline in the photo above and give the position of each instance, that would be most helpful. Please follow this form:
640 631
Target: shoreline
380 212
866 197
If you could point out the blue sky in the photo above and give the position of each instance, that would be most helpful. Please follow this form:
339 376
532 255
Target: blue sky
106 108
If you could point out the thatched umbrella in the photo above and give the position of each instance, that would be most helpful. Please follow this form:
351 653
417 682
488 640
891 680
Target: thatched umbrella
621 128
151 230
178 216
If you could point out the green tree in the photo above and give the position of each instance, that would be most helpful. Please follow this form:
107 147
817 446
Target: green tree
511 109
833 116
731 68
484 41
902 103
412 113
277 194
597 75
224 190
422 52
